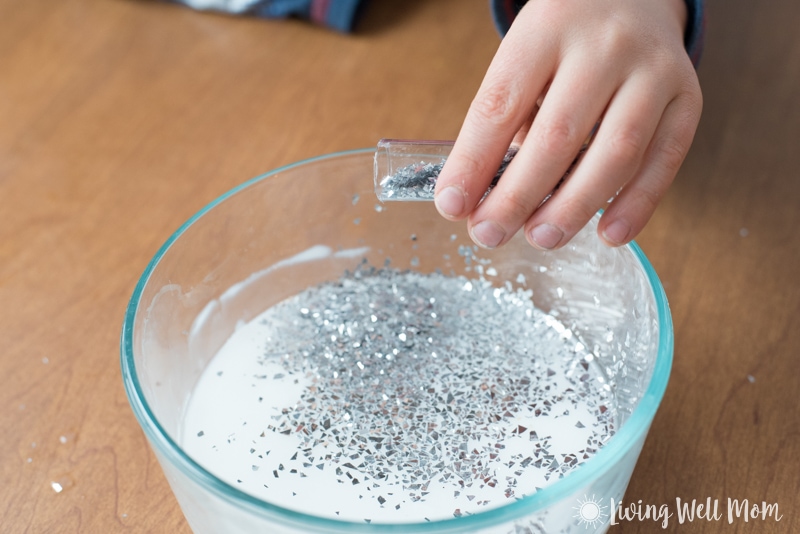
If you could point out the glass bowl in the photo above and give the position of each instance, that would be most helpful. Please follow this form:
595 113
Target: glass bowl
308 222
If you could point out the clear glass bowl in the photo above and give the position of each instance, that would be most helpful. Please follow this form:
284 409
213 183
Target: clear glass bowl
228 263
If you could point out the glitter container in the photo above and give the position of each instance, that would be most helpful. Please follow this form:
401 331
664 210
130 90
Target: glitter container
407 169
309 362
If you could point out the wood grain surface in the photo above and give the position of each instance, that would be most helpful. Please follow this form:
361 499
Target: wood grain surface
121 118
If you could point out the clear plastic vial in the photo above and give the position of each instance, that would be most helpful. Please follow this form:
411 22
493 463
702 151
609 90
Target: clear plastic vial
407 169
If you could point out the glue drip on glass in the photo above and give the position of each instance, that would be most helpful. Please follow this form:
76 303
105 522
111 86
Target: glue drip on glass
408 170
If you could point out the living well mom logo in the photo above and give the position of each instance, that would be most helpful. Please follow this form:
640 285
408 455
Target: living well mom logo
592 512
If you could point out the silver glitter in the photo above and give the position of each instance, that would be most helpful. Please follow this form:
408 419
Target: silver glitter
418 181
416 386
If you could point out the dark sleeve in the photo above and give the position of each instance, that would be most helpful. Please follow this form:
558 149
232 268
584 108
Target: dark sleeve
504 12
339 15
695 30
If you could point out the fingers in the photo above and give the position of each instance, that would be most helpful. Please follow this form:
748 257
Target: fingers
504 102
612 160
629 212
633 75
522 133
568 113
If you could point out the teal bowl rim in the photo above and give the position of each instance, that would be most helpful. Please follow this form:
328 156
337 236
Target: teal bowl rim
634 430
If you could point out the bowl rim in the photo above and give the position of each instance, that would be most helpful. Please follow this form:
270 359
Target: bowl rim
634 430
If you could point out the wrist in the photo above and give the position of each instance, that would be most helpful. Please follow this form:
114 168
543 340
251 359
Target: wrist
681 12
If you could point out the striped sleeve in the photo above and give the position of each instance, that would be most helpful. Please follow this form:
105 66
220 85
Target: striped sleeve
339 15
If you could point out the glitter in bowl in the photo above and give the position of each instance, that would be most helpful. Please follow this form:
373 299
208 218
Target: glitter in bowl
394 396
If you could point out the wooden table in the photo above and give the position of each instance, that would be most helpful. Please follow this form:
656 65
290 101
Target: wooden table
120 118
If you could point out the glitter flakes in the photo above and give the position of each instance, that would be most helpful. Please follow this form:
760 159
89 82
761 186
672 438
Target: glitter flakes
413 395
418 181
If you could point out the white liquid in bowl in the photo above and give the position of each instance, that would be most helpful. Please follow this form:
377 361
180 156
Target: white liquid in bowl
398 397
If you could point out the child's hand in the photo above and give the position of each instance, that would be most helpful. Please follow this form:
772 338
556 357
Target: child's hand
620 62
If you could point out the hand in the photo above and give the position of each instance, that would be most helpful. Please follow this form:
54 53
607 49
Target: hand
564 66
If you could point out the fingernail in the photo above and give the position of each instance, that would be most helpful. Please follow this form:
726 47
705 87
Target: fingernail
546 236
487 234
450 202
617 232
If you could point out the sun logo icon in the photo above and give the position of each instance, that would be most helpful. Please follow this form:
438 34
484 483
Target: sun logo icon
590 512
